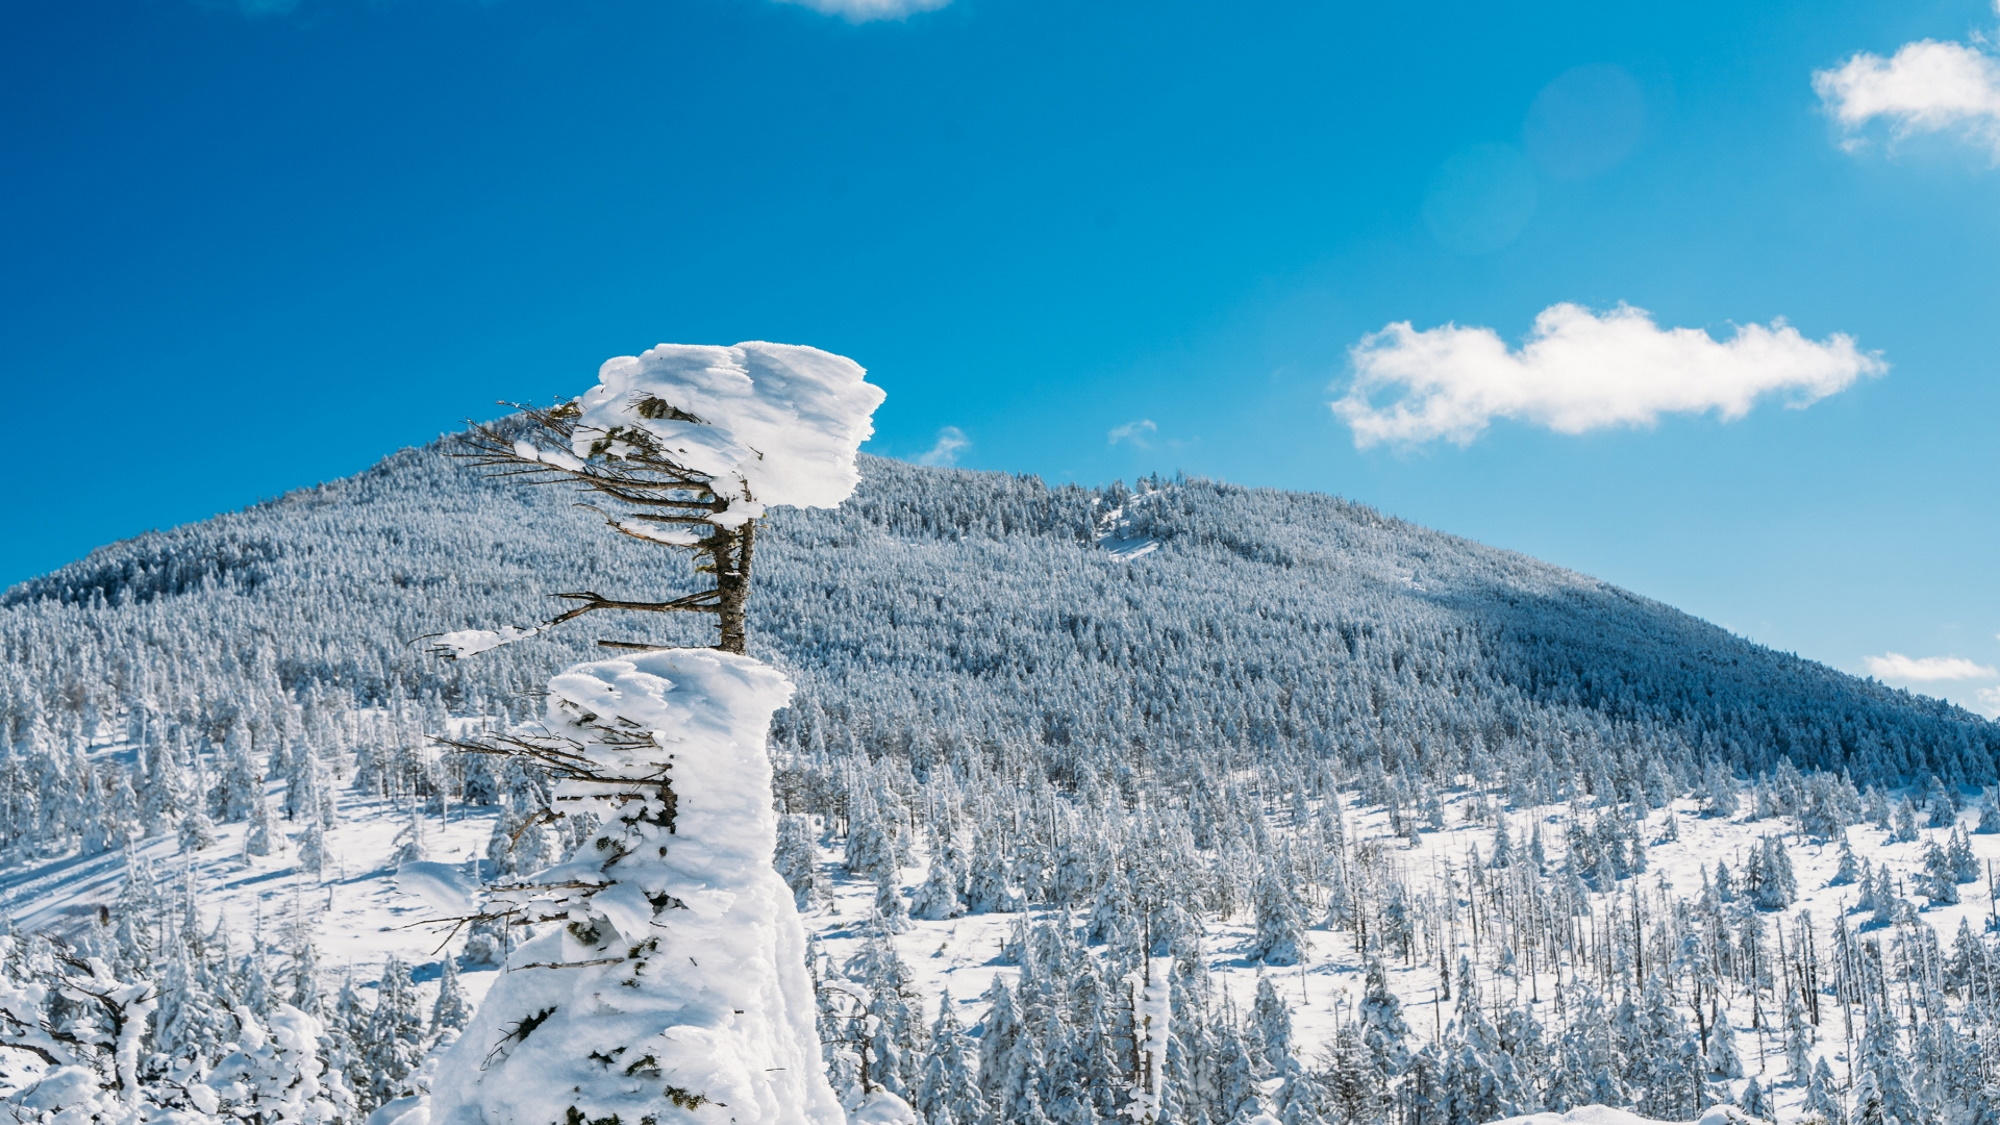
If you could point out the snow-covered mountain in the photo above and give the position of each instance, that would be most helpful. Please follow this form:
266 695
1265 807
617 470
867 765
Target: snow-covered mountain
1411 827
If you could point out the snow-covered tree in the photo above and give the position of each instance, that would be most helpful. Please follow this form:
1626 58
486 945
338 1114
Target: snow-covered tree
91 1052
275 1075
668 981
1280 936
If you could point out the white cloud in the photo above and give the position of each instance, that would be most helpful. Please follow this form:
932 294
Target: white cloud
1925 87
1581 370
1894 666
1135 432
863 11
1988 703
950 440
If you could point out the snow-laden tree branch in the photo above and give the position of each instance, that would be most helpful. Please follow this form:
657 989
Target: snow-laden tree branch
686 446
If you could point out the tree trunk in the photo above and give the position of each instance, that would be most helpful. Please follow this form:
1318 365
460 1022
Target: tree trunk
731 553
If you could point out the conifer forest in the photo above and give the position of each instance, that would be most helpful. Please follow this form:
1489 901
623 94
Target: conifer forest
1173 801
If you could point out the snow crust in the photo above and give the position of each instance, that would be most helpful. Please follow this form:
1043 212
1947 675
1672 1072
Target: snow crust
723 1008
782 420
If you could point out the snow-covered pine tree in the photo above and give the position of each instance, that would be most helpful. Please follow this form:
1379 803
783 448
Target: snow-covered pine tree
1271 1026
452 1008
1989 814
947 1092
1383 1029
1939 882
1776 886
87 1028
796 859
668 982
1280 938
276 1076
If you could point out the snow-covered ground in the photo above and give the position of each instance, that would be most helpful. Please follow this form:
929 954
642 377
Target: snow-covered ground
961 956
360 916
357 914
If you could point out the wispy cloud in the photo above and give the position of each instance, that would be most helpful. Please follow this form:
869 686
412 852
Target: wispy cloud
1988 703
864 11
1581 370
1897 668
1925 87
1138 433
950 440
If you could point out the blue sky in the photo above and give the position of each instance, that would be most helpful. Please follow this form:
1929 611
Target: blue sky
254 246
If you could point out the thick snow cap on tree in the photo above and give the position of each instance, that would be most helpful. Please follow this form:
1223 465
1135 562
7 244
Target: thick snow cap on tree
714 1022
781 419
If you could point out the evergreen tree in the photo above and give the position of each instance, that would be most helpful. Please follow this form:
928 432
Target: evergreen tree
1383 1029
1721 1057
947 1093
1940 803
1280 935
1271 1026
797 860
196 832
393 1041
452 1008
1755 1102
1776 886
1989 814
1959 855
1939 882
1823 1097
1849 869
277 1074
1503 846
1903 828
1351 1088
937 897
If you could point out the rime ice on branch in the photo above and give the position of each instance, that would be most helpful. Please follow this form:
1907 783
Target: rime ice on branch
666 981
686 446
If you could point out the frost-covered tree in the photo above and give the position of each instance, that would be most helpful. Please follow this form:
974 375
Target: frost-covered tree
1989 814
1769 879
666 980
452 1008
276 1075
1280 935
937 897
1849 869
796 859
84 1025
1939 881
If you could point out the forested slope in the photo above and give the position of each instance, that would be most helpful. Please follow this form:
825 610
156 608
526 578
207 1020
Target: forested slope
1282 629
1413 829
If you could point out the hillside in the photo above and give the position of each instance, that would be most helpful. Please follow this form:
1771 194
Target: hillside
1272 739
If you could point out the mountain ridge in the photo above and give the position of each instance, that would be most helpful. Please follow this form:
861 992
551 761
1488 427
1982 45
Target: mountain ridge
1262 566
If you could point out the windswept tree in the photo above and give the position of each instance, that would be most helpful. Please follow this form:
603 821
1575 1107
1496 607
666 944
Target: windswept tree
664 980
